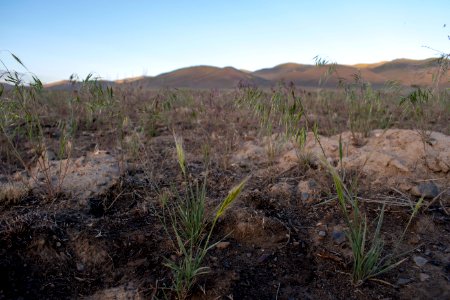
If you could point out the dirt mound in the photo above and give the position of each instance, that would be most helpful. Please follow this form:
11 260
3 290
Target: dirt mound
250 227
81 178
395 157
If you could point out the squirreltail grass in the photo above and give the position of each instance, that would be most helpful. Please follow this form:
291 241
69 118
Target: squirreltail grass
188 227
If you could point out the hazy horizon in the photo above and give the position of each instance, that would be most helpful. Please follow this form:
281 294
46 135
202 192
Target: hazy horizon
117 40
237 68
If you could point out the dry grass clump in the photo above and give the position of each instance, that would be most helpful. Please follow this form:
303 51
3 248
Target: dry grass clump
11 193
185 222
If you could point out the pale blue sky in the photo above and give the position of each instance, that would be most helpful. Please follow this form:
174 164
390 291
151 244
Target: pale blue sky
117 39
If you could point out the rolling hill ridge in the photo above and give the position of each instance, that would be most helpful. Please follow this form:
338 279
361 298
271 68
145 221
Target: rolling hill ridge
406 72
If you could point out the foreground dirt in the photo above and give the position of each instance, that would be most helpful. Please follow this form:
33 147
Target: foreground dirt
102 238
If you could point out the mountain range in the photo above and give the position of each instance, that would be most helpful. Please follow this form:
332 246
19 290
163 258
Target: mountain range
406 72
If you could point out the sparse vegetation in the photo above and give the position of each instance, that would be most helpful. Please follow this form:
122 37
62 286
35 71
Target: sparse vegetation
186 223
154 231
365 114
368 261
24 112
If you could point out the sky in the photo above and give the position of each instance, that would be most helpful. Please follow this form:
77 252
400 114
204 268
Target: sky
120 39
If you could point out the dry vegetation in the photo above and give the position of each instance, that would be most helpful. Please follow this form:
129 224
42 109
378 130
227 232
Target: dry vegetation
260 195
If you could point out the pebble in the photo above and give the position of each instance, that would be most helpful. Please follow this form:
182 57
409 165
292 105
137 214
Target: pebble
426 189
222 245
424 277
403 281
322 233
263 257
80 266
304 196
420 261
338 236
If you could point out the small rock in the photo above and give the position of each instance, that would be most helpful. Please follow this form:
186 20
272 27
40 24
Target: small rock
263 257
306 189
425 189
322 233
420 261
338 236
304 196
403 281
222 245
424 277
58 244
80 267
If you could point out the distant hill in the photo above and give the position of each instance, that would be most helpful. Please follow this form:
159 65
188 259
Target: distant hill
288 71
410 72
407 72
309 75
203 77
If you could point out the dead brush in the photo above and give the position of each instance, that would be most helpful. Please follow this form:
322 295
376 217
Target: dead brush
11 193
